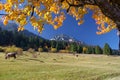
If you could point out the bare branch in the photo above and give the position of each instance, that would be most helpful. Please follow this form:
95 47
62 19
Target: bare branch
3 14
32 10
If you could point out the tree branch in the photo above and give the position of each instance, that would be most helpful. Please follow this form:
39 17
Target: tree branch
32 10
110 8
3 14
78 5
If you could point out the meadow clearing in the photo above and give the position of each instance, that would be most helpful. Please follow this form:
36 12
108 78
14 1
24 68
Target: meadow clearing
59 66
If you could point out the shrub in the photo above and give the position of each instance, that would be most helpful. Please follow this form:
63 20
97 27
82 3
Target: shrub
1 49
31 50
11 49
53 50
40 49
20 51
34 55
64 51
85 49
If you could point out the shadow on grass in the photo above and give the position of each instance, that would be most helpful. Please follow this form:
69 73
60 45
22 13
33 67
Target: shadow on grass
28 59
37 60
108 76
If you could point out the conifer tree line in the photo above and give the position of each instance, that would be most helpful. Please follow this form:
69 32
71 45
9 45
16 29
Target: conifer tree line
9 38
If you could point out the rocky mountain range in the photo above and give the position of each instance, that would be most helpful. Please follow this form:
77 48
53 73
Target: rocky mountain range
63 37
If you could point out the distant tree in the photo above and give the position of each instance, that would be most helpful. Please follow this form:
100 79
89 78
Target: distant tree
93 50
73 47
45 47
89 50
63 44
107 50
41 43
48 43
0 29
36 42
21 40
98 50
85 49
115 52
58 46
53 44
79 49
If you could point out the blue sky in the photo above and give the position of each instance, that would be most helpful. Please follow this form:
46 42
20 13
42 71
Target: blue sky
85 32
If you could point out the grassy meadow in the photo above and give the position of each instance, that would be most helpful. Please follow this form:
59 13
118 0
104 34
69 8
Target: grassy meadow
55 66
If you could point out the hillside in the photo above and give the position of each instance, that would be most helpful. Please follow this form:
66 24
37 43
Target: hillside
13 27
24 39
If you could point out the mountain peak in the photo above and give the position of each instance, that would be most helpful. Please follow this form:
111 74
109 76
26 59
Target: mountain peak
64 37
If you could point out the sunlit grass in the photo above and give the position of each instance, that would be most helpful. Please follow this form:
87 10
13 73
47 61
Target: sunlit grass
49 66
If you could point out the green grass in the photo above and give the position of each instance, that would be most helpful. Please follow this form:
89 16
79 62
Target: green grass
49 66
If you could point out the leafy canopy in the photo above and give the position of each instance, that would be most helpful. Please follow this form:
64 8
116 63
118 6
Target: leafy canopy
40 12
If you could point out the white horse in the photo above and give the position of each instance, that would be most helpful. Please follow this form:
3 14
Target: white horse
12 54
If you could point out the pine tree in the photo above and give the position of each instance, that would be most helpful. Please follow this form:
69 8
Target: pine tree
107 50
89 50
79 49
73 47
53 44
98 50
93 50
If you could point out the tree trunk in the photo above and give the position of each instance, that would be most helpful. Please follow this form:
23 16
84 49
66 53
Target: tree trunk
119 42
118 33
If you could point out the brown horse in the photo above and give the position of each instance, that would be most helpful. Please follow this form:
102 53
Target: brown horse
12 54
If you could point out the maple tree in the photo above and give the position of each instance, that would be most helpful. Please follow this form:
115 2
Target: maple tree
39 12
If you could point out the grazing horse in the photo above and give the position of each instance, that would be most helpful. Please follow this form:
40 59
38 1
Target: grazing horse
12 54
